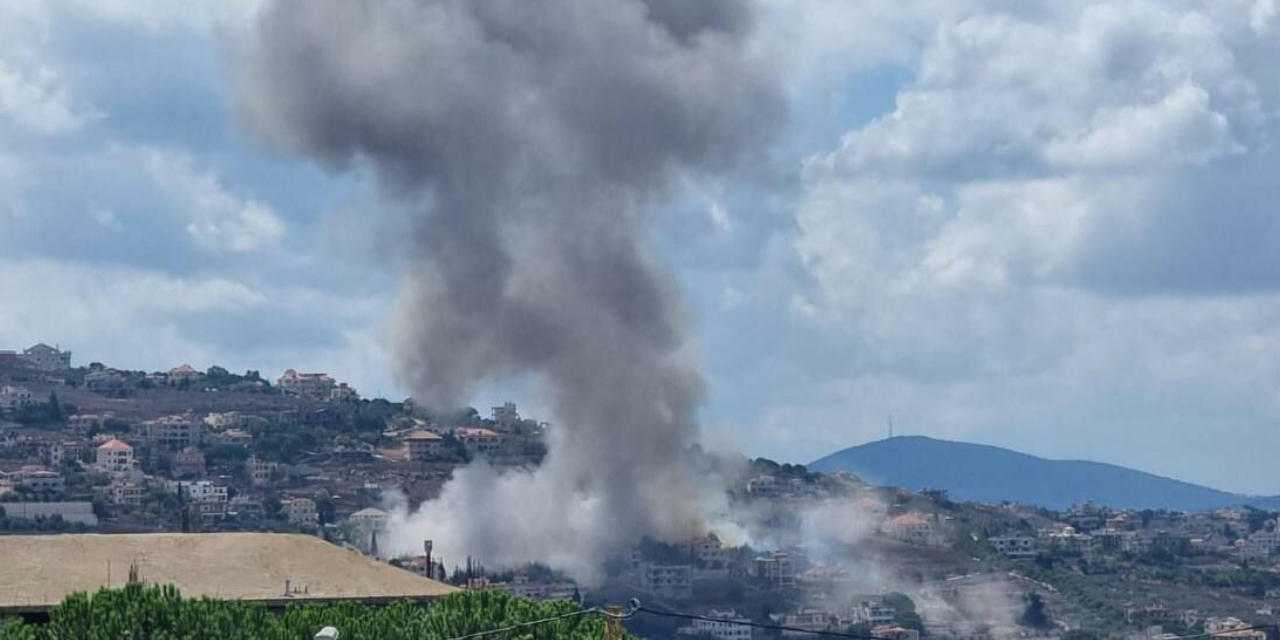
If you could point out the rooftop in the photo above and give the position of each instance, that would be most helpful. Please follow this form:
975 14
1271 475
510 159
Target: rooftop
39 571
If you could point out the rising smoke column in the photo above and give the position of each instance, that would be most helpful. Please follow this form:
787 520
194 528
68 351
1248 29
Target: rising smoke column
532 138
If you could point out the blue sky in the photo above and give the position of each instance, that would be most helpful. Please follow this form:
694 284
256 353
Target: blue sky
1044 225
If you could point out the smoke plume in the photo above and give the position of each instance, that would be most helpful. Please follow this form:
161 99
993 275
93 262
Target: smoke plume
532 139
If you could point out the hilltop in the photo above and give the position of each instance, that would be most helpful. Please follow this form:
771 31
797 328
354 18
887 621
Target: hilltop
983 473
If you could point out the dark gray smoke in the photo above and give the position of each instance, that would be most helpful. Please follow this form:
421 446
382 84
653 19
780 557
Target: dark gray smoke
533 137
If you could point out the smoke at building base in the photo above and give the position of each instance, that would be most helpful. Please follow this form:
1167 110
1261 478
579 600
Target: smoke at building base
531 141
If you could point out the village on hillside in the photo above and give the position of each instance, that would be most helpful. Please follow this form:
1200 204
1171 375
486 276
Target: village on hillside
97 449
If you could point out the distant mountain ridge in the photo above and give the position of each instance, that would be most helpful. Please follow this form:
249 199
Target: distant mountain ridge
983 473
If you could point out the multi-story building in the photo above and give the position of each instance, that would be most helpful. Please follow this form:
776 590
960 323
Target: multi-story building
874 612
673 581
317 386
46 358
1015 546
912 528
422 445
300 511
182 374
203 491
13 398
522 587
370 519
777 568
804 621
174 432
480 441
115 456
723 625
343 393
40 481
260 471
763 487
505 415
708 553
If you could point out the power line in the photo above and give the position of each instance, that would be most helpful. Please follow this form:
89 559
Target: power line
634 606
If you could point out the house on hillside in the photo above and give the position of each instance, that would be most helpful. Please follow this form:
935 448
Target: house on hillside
912 528
14 398
115 456
479 440
317 386
422 445
45 358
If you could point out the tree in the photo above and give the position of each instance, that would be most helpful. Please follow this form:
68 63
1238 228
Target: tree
1035 616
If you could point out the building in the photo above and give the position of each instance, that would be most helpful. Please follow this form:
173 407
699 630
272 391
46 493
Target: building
480 441
777 568
287 569
174 432
505 415
188 463
1015 546
128 493
45 358
301 511
108 382
874 612
39 481
725 625
73 512
894 632
803 622
317 386
912 528
343 393
203 491
763 487
115 456
370 519
1232 629
673 581
422 445
708 553
13 398
231 437
522 587
260 471
182 374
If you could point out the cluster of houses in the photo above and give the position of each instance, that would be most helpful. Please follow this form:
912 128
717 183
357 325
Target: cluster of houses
1096 533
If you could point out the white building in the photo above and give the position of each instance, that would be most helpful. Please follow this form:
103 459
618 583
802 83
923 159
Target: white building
174 432
1015 546
13 398
777 568
370 519
728 625
203 491
317 386
912 528
115 456
479 440
300 510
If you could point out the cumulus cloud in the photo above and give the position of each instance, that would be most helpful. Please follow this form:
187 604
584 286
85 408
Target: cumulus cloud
1054 210
219 219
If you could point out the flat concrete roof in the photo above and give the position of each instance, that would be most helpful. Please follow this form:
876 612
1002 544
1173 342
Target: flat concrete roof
37 572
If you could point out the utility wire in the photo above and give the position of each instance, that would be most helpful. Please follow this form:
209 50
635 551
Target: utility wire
631 611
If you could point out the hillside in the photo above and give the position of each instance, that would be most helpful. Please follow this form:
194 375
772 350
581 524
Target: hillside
981 473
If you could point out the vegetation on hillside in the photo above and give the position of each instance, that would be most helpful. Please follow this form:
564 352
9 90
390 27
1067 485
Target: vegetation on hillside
161 613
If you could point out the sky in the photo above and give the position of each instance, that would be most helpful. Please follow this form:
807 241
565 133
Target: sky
1042 225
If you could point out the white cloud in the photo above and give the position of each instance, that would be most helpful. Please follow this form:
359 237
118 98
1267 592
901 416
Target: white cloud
220 220
1046 240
